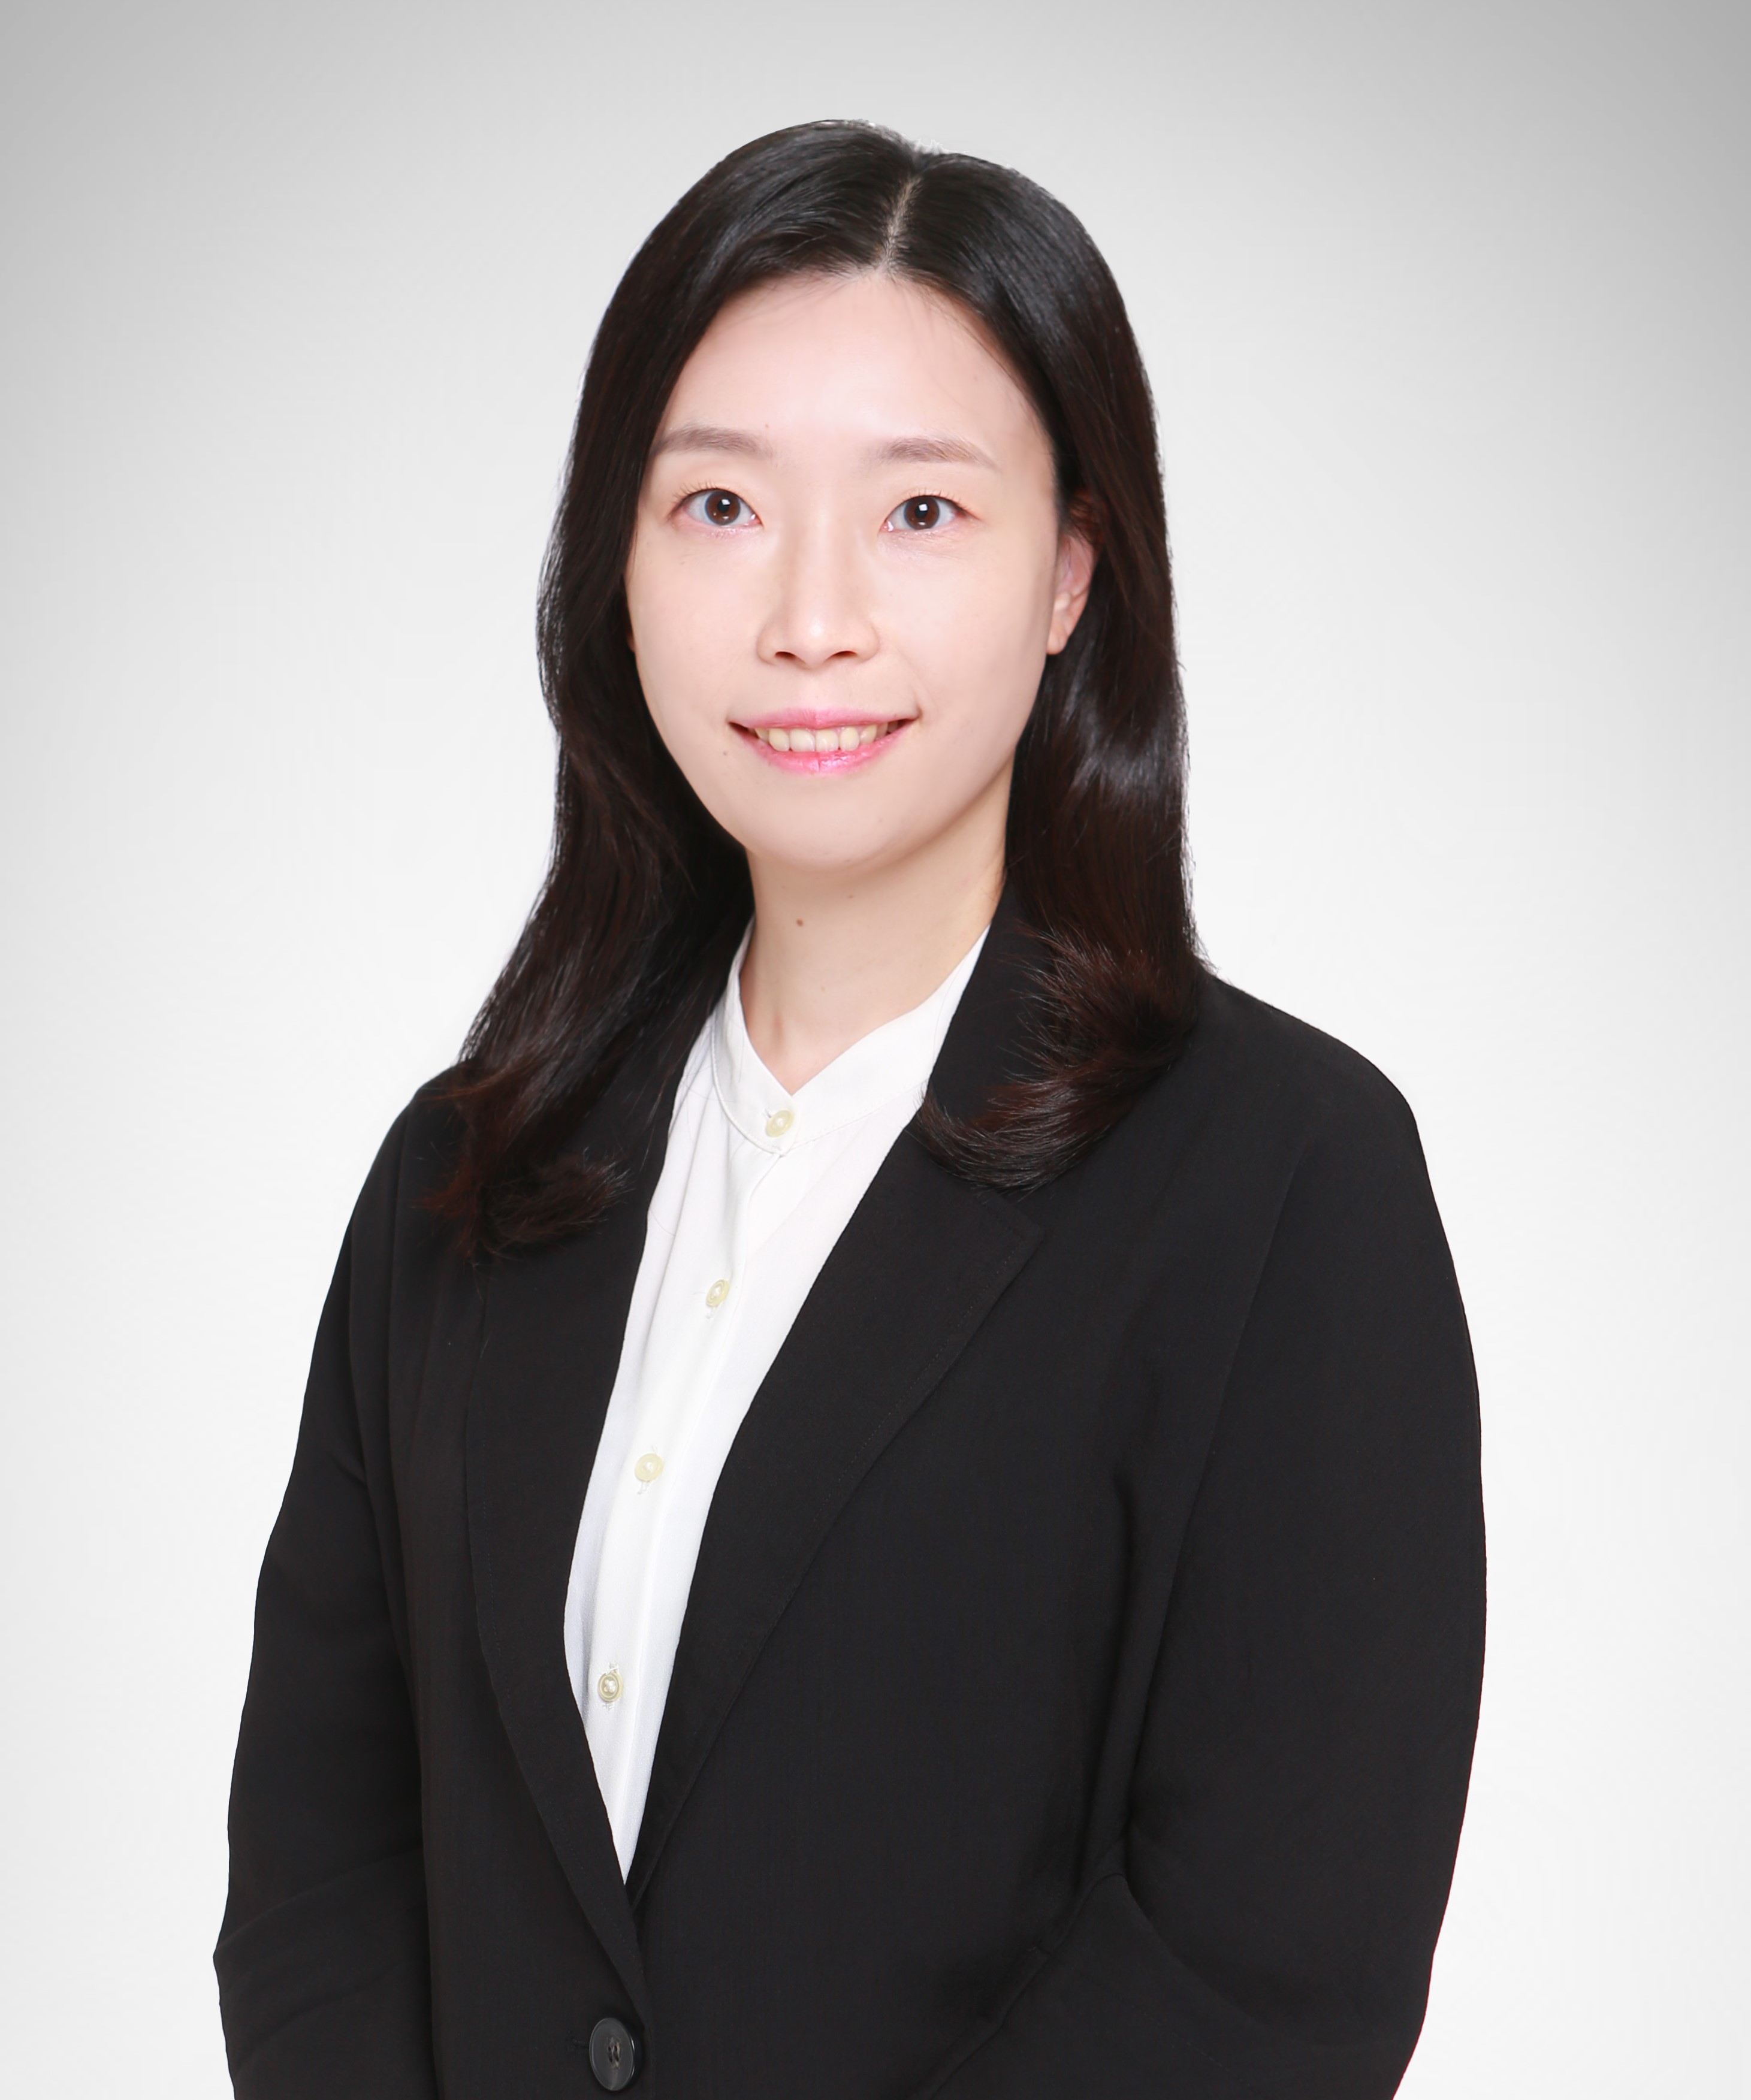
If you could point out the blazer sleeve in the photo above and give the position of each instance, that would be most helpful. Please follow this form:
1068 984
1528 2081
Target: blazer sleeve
322 1959
1266 1923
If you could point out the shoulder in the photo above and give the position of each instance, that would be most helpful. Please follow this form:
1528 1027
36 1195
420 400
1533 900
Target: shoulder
1339 1163
419 1150
1270 1080
1263 1126
394 1225
1285 1067
402 1275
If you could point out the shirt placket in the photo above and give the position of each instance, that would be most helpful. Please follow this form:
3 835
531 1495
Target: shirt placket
686 1382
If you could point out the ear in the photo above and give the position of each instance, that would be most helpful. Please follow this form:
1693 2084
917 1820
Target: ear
1078 550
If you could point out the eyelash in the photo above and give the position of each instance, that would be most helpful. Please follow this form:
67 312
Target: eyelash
950 508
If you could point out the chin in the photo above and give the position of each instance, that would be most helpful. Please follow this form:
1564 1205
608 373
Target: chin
814 852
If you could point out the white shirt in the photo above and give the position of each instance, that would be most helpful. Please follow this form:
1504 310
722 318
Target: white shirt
757 1184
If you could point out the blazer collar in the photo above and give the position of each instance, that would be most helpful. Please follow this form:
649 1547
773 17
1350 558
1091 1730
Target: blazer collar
986 1044
555 1321
844 1384
842 1387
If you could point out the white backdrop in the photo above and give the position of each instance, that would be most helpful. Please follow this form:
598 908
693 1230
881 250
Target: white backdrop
1447 312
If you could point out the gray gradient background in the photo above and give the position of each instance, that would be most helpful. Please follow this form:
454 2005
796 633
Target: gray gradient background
1446 310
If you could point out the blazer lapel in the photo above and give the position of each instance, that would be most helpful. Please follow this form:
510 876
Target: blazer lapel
847 1380
554 1322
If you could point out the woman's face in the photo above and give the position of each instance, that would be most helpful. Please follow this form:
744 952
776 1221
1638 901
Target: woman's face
848 572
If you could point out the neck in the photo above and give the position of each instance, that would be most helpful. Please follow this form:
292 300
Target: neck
836 955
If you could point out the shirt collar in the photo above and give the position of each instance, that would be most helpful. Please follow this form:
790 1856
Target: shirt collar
895 1059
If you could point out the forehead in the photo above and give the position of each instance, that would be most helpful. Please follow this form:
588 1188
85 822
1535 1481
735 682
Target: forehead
858 358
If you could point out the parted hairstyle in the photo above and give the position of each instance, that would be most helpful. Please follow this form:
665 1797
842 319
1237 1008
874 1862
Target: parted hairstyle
645 895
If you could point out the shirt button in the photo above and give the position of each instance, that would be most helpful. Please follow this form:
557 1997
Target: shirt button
719 1291
648 1466
778 1121
609 1686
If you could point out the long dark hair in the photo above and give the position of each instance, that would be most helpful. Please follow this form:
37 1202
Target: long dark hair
645 895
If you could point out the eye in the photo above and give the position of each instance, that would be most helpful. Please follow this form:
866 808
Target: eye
718 506
920 513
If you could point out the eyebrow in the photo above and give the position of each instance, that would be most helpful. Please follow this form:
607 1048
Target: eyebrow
924 449
954 451
711 437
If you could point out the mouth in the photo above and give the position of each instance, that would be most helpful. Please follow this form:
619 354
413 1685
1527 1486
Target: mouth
821 747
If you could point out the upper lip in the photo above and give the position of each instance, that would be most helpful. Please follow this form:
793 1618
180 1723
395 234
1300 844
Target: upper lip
814 718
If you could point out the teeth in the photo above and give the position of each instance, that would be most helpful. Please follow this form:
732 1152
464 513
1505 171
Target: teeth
846 739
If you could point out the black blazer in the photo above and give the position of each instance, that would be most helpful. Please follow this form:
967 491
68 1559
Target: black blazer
1077 1688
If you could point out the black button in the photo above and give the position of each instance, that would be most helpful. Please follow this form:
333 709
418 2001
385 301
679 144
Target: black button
613 2054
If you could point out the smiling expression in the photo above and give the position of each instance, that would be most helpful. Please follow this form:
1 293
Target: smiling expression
848 570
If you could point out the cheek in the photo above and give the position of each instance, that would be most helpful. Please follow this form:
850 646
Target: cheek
979 642
679 615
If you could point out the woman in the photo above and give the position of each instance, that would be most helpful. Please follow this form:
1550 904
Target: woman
888 1501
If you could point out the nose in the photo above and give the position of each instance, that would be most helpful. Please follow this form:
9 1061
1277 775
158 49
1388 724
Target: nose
820 610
